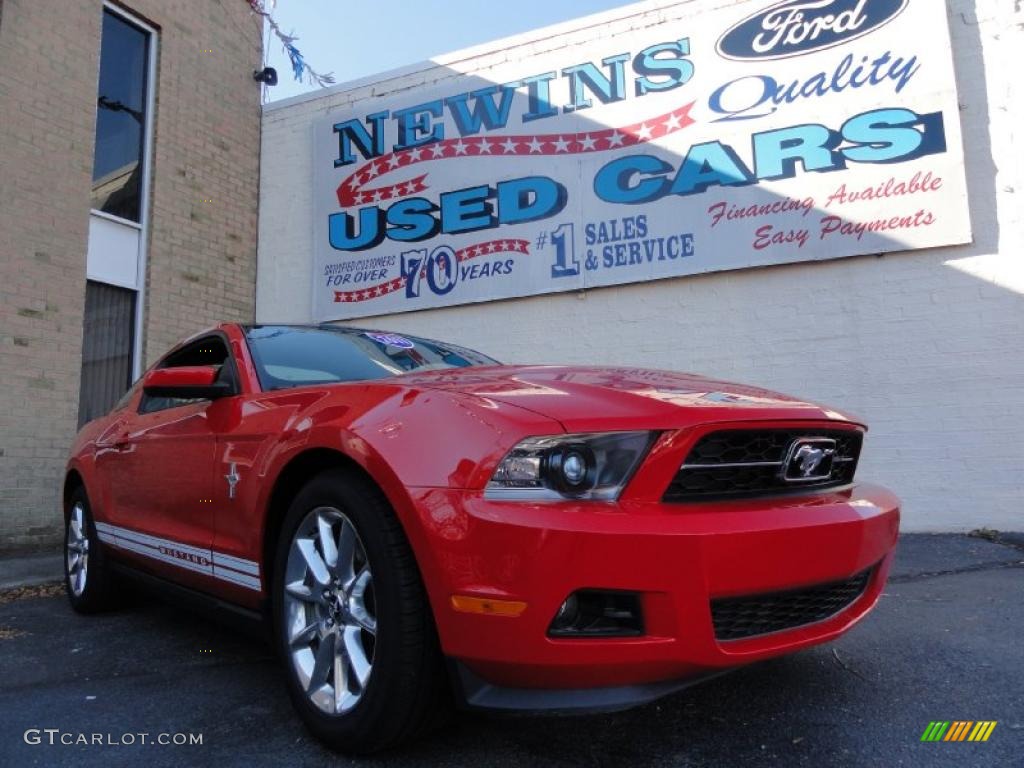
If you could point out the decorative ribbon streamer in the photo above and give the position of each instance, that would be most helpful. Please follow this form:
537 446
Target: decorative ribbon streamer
300 69
465 254
351 191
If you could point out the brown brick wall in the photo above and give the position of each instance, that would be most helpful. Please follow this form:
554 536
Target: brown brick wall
201 266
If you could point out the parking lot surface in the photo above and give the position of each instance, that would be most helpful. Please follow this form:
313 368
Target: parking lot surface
945 643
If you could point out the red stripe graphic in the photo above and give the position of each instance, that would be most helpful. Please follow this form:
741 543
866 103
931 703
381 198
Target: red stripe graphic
353 190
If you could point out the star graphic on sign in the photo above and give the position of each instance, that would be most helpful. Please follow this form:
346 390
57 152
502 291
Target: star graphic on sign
615 140
485 147
371 171
561 145
352 182
438 150
509 146
490 247
377 196
644 131
672 122
360 198
587 143
414 154
460 148
394 161
535 146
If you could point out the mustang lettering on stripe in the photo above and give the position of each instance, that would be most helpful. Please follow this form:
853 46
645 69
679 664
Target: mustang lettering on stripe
236 570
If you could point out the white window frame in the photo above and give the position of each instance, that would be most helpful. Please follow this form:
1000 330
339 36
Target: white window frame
144 193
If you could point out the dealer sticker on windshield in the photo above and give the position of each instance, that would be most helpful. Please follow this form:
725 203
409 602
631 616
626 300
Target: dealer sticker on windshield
390 339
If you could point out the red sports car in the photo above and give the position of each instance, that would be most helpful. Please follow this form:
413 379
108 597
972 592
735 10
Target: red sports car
423 525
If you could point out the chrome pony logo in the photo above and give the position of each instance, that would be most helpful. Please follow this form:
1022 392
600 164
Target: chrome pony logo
795 27
809 459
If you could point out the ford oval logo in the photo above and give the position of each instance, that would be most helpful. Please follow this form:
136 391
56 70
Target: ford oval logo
795 27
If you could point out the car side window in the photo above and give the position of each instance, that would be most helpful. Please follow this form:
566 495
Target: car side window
211 350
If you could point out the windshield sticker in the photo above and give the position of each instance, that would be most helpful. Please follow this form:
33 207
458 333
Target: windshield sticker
390 340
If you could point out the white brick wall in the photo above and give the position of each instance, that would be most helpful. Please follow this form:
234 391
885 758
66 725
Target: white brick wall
927 347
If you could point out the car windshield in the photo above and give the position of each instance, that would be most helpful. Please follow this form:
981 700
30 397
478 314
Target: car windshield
294 356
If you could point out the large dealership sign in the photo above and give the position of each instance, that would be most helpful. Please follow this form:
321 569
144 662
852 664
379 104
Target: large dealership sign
740 136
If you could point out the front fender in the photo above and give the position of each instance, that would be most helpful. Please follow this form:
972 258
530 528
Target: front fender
405 440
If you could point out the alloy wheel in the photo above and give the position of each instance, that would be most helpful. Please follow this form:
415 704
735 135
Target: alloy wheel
329 610
77 550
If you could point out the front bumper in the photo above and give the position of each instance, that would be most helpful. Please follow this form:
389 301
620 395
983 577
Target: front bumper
678 557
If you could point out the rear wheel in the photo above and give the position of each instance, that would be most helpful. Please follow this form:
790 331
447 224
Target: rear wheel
351 618
86 574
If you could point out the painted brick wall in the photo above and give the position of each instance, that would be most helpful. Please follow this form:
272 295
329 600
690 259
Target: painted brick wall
201 257
927 347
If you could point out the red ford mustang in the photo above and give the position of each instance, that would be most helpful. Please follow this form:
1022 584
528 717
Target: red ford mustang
422 524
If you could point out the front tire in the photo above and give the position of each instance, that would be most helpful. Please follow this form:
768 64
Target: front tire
351 618
87 576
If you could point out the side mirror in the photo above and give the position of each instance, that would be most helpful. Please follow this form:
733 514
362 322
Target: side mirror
187 381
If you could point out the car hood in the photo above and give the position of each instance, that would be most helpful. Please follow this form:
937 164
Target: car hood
588 398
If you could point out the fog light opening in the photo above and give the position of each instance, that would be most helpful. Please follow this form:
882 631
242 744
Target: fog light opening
567 616
598 613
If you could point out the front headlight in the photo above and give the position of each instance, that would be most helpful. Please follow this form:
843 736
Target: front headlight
586 466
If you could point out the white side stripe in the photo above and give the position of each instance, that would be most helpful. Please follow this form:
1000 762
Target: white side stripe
156 554
235 570
241 579
153 541
107 538
237 563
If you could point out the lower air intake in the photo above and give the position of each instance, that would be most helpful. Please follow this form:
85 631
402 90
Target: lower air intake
736 618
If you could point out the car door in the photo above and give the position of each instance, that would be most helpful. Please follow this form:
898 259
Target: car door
246 427
162 481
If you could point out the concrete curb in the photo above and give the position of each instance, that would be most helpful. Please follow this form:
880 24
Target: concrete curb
30 570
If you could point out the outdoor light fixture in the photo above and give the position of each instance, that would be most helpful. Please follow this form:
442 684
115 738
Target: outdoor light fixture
267 76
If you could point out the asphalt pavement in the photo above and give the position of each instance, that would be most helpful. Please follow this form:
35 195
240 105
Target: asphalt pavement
945 643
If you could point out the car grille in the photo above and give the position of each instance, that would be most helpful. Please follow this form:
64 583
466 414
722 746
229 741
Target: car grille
738 463
736 618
